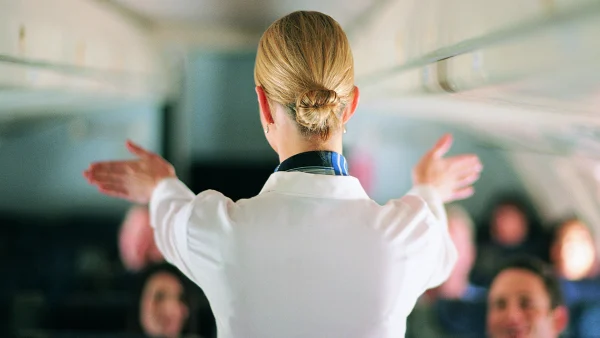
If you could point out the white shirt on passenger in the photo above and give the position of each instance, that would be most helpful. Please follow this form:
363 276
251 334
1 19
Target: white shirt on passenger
310 256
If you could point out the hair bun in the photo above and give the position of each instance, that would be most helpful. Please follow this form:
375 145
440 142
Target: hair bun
316 108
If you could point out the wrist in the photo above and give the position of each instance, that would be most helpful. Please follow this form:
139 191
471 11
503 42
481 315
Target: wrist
157 182
422 179
428 189
423 183
161 178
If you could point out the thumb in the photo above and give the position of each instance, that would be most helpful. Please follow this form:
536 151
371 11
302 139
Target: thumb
137 150
442 146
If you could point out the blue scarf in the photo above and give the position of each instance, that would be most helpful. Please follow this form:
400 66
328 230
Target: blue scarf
316 162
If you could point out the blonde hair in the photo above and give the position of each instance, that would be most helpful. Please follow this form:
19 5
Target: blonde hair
304 63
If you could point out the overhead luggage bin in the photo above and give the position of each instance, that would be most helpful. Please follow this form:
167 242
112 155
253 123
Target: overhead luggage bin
535 54
74 49
498 67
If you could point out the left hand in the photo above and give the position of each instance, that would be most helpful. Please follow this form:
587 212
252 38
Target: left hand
132 180
452 177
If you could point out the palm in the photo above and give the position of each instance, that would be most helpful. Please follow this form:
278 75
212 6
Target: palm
133 180
452 177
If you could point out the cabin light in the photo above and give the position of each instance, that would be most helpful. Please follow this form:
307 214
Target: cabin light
577 251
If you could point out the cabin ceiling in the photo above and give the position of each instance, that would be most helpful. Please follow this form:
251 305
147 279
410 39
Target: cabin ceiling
250 14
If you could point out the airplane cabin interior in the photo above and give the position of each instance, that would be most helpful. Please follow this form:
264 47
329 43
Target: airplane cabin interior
515 82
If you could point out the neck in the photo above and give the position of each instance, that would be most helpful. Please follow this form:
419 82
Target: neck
299 144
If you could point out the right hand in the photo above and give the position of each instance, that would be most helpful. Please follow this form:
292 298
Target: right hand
133 180
452 177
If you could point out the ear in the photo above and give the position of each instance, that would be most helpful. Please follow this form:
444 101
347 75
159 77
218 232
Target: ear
560 318
349 111
263 105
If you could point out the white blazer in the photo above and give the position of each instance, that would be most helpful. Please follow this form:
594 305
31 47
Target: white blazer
310 256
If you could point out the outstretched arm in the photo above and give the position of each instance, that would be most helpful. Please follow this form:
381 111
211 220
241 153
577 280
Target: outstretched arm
150 179
438 180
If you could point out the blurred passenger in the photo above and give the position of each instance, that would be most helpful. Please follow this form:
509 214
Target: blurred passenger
136 240
462 233
575 259
161 307
446 310
573 251
511 229
525 301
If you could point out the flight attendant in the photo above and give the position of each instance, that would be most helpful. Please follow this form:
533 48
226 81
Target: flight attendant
311 255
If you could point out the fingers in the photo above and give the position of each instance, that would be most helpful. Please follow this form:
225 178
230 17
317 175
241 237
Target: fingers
466 170
465 161
463 186
107 182
108 171
137 150
115 190
463 193
442 146
114 180
467 180
463 158
116 167
110 177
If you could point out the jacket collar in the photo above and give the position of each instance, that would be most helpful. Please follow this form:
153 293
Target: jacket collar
316 162
310 185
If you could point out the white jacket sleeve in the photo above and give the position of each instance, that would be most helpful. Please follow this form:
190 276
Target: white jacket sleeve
188 228
170 209
440 244
433 201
